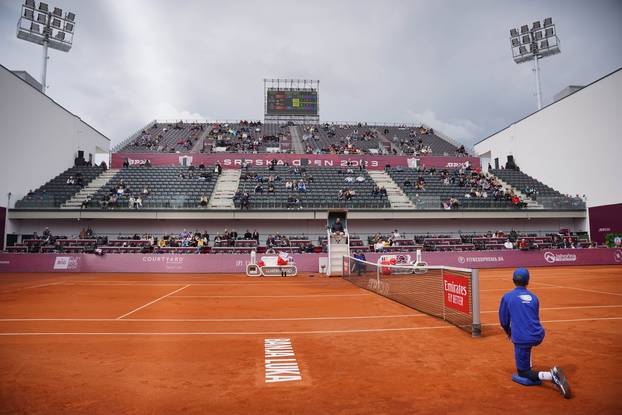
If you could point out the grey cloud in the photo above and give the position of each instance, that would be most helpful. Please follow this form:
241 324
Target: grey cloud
446 63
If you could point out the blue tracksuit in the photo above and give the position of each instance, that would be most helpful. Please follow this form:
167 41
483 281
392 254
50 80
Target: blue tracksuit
519 316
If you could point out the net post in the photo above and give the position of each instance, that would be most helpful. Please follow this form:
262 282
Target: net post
442 294
476 330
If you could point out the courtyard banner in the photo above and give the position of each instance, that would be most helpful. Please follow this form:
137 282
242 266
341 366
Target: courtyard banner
236 263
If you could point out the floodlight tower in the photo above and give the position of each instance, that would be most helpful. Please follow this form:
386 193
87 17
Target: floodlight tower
534 44
50 29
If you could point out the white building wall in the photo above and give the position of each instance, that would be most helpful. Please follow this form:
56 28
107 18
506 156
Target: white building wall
574 145
39 139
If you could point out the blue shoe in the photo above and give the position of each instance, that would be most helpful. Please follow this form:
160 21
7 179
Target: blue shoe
559 379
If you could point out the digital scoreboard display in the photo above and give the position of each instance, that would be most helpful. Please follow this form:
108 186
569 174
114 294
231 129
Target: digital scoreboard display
292 102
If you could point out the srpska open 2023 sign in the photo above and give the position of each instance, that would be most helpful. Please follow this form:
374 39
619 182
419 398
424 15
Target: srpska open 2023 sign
456 292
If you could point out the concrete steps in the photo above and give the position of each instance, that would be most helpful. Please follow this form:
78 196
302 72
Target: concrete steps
297 146
386 142
531 204
396 196
90 189
226 186
198 146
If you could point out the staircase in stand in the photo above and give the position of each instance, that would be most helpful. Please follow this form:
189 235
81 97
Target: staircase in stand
90 189
396 196
531 204
198 146
296 140
226 186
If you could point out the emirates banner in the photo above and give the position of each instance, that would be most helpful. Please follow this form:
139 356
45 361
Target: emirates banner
456 292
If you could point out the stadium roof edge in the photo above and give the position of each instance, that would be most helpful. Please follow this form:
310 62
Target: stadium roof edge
551 104
56 103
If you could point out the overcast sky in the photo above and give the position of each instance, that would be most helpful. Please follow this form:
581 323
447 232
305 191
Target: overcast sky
445 63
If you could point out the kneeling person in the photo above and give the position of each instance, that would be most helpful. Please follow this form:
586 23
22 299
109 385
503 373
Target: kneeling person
519 318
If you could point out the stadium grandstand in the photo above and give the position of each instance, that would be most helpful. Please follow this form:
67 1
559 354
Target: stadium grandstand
290 261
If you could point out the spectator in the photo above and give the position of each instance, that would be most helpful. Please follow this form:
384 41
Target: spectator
71 180
203 201
258 188
255 235
85 203
508 244
245 201
379 245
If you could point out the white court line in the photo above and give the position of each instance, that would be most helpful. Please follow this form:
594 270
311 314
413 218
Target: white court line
32 286
579 307
154 301
576 288
597 274
264 283
274 296
256 333
214 320
511 288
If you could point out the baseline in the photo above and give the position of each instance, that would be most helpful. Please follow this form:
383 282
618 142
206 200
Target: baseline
263 333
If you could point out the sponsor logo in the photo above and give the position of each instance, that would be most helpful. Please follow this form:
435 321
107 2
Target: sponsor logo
412 162
552 258
463 260
454 164
526 298
5 262
456 290
185 160
166 259
617 256
66 262
136 162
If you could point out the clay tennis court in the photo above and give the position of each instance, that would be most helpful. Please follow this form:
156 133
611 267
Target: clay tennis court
130 343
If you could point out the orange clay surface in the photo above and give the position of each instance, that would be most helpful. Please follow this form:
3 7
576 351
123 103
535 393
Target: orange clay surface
187 343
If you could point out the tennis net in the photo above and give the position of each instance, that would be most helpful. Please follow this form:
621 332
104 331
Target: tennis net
449 293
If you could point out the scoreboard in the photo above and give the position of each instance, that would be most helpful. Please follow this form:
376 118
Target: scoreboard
282 102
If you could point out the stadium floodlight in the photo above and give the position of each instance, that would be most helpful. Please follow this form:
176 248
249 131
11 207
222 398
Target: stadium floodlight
531 44
50 30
